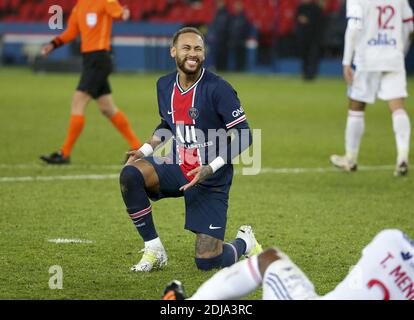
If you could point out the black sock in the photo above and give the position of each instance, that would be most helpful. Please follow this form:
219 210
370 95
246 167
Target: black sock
137 203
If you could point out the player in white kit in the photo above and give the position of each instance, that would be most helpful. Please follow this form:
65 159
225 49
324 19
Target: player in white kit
377 37
384 272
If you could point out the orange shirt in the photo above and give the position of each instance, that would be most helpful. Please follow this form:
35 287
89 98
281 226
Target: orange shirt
93 20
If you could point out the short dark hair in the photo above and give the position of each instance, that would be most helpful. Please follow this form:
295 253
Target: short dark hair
186 30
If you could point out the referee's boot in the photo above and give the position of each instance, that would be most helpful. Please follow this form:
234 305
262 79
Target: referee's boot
55 158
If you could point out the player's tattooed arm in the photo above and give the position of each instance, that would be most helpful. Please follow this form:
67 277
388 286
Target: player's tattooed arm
146 150
201 173
162 134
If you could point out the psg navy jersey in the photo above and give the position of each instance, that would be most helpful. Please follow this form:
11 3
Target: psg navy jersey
199 119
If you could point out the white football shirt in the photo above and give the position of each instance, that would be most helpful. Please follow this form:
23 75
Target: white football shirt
381 40
384 272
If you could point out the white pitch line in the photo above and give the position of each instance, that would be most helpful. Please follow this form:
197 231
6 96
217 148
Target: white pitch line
321 170
54 178
30 166
116 176
60 240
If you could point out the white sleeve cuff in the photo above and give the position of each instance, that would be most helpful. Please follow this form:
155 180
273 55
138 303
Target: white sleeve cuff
217 163
146 149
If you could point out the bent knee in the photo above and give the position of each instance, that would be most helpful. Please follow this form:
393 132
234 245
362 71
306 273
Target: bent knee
108 112
266 258
209 252
206 264
208 247
143 172
130 174
356 105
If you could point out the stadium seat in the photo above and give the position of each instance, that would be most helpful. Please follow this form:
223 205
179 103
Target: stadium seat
136 10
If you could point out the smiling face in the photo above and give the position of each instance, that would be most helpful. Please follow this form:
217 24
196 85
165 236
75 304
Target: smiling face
189 53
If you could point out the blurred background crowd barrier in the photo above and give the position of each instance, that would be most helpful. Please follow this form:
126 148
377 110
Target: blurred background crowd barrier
261 36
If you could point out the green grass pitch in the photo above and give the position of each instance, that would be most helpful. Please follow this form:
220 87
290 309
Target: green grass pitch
322 219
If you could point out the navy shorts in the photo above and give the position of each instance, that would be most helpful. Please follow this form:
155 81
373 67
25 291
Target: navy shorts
205 207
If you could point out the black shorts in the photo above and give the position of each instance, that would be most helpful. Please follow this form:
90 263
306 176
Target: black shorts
96 68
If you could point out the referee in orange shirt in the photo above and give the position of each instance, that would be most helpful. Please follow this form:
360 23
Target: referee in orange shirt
92 19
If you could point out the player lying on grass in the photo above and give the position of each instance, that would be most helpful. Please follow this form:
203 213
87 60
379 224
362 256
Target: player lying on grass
384 272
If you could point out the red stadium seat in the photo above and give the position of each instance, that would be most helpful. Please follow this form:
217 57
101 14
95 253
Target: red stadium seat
161 5
25 12
14 4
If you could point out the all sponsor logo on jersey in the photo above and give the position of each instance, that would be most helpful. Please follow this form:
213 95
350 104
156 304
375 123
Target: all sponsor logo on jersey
238 112
186 134
382 40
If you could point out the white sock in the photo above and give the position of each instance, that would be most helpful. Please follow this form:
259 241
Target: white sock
402 130
154 243
283 280
355 127
233 282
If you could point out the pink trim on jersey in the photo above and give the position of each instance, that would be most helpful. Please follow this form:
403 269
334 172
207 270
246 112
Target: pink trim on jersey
253 271
141 213
237 121
408 20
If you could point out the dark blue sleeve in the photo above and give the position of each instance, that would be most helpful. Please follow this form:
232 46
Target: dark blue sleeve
228 106
242 139
159 98
163 130
232 113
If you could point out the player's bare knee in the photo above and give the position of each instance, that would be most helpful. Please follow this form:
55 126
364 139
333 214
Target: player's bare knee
266 258
107 106
107 112
79 104
396 104
356 105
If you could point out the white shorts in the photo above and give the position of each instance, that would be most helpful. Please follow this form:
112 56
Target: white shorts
367 85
